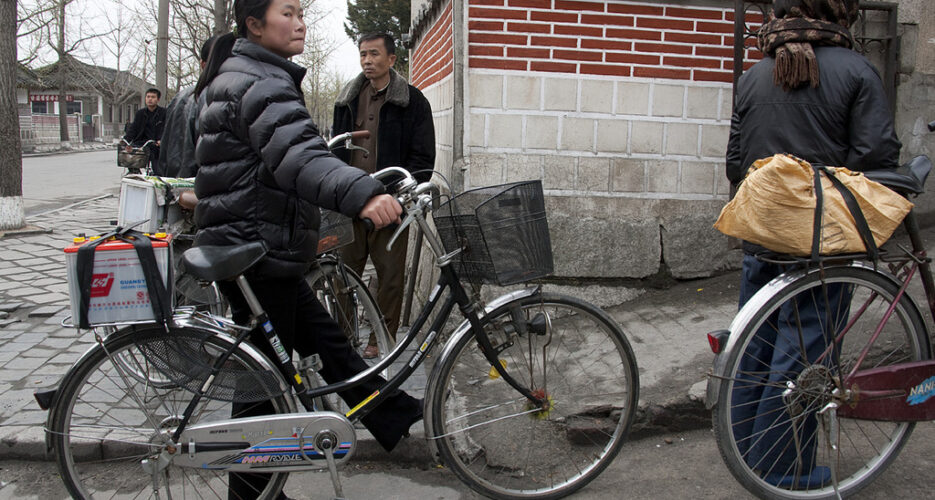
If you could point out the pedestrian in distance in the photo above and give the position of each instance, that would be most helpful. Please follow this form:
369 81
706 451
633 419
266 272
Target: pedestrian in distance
402 134
264 171
177 145
814 97
147 125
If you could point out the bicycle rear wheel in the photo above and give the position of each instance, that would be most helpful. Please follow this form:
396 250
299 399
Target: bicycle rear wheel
785 368
109 416
563 349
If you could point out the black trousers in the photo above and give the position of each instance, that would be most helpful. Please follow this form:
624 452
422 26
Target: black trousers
303 324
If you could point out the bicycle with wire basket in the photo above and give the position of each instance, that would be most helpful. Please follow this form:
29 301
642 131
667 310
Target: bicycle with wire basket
833 409
532 395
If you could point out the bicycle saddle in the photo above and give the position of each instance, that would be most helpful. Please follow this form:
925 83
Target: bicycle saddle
906 179
219 263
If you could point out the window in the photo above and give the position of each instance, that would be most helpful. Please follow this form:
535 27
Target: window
74 107
40 108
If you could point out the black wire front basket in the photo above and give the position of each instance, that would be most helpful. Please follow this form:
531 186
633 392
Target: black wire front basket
336 230
502 231
135 159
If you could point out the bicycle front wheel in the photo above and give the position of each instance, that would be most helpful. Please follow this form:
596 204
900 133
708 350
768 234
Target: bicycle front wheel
790 362
563 349
351 305
109 417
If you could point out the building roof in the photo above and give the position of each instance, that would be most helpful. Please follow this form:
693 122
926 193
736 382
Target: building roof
26 77
109 82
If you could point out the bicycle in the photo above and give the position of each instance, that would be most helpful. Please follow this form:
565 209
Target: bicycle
532 396
341 291
826 416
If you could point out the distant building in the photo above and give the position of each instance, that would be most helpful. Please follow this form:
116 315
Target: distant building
100 102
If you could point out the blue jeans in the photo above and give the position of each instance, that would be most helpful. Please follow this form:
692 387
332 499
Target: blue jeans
763 429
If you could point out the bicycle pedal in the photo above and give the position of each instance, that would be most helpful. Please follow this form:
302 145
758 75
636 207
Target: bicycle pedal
312 362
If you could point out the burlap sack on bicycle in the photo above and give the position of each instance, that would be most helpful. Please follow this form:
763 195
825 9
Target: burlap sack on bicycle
775 208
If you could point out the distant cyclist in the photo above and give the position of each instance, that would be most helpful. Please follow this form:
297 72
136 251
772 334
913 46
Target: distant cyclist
147 125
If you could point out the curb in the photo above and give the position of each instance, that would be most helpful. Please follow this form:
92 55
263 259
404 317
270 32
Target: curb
22 442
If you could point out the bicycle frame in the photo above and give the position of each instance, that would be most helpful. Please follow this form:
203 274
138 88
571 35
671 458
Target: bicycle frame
448 287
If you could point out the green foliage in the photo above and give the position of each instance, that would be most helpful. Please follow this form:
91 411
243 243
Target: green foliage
381 16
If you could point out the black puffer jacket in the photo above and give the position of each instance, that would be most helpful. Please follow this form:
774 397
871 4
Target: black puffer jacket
406 137
264 166
845 121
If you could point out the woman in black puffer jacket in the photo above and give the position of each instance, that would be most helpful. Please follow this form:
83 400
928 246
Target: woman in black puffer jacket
264 170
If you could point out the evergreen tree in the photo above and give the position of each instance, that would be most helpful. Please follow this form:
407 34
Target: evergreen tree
381 16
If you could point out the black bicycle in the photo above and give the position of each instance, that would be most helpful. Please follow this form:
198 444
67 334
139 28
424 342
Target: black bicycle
532 395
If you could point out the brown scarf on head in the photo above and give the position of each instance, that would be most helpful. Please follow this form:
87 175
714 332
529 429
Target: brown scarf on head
790 39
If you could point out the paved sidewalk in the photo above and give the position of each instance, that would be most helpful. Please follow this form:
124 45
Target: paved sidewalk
665 327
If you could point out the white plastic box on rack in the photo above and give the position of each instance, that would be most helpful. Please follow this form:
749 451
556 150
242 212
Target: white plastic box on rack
118 286
140 201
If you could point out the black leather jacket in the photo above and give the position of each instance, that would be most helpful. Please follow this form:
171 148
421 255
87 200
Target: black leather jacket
177 148
845 121
264 167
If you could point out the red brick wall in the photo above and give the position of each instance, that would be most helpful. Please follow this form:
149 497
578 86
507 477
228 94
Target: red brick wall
604 38
432 59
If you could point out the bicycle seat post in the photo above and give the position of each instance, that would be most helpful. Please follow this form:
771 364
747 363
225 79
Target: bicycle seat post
250 297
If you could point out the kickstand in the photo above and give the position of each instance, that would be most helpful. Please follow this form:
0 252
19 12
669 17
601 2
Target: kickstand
325 442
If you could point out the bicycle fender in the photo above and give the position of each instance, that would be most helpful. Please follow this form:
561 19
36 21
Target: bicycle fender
465 329
745 315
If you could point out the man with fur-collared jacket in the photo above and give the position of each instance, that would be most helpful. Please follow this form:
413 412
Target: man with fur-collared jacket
402 134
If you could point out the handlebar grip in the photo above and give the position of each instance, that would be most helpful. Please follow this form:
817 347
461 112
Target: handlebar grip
368 224
360 134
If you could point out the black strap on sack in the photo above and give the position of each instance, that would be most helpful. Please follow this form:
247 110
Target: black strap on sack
863 229
158 293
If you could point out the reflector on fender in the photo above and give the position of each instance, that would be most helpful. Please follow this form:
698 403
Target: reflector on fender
717 340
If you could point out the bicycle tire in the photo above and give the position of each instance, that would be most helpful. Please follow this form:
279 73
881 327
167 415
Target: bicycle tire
357 322
865 448
99 434
499 446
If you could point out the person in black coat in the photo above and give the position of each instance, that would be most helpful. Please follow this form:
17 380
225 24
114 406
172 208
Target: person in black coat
147 125
814 97
177 146
264 171
402 134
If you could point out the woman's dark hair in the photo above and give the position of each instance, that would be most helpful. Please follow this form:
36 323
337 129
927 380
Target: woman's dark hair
221 49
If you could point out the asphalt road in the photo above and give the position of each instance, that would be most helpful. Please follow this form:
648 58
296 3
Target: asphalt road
55 180
683 466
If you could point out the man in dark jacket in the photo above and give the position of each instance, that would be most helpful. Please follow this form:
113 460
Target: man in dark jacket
814 97
402 134
177 148
147 125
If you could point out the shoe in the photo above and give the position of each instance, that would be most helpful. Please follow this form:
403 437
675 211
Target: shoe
370 352
820 476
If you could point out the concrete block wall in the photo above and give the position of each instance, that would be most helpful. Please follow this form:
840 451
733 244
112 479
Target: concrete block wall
633 169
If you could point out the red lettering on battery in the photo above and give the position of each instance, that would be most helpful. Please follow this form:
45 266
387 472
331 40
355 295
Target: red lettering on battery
101 284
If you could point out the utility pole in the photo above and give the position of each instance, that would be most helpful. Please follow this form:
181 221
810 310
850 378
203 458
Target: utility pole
162 47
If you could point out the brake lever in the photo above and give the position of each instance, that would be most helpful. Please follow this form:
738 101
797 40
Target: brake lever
399 230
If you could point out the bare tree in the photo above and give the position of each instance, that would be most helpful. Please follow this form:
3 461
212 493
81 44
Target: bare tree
33 19
11 164
64 48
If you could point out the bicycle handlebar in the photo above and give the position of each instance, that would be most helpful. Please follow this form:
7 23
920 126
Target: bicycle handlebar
346 137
